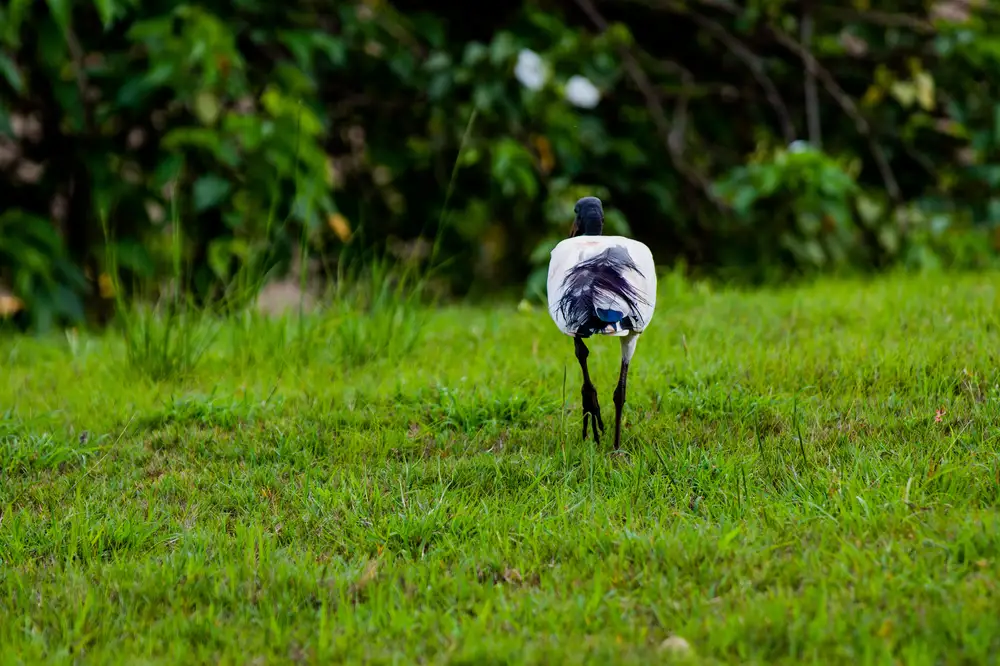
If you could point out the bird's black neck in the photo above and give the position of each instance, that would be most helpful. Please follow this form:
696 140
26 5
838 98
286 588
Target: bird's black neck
590 227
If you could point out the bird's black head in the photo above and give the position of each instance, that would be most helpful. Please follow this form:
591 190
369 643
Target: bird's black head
589 220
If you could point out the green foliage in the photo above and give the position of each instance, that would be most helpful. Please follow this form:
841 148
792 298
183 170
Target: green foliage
166 114
797 209
259 125
810 474
37 265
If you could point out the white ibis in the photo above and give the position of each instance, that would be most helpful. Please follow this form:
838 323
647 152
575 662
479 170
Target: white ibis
601 285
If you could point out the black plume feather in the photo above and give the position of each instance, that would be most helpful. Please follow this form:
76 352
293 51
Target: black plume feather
599 276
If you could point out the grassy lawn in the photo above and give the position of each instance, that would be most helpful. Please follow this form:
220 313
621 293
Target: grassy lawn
812 476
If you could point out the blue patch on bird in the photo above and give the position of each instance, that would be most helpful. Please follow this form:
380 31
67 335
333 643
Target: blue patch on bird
610 316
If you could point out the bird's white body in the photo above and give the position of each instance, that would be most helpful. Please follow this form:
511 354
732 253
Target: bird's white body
601 274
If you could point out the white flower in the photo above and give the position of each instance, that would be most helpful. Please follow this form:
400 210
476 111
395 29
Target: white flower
530 70
582 93
799 146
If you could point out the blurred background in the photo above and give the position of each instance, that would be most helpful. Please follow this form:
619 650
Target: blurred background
269 144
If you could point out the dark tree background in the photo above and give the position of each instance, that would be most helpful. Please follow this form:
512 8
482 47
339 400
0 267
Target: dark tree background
753 141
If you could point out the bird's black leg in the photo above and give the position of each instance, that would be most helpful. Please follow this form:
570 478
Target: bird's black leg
620 402
628 348
591 408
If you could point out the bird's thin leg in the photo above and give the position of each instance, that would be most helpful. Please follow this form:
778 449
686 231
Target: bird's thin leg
628 349
591 408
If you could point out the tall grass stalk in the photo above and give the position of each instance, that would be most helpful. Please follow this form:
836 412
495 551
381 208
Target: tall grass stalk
166 339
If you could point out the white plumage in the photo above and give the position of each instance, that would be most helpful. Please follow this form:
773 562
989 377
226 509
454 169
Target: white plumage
600 285
601 254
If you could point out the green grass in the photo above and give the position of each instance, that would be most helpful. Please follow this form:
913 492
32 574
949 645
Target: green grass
788 496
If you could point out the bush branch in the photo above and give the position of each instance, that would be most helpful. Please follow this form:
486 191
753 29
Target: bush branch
812 94
846 104
753 63
672 136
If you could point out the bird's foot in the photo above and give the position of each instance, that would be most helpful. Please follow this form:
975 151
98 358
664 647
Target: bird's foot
591 412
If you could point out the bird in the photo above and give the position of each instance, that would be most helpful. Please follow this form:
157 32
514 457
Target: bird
600 285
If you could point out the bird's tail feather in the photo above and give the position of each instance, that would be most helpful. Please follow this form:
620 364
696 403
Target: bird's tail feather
598 298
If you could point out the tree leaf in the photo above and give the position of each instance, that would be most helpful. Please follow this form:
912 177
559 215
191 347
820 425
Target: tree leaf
11 74
904 92
206 107
925 90
62 12
12 17
333 47
210 191
106 9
